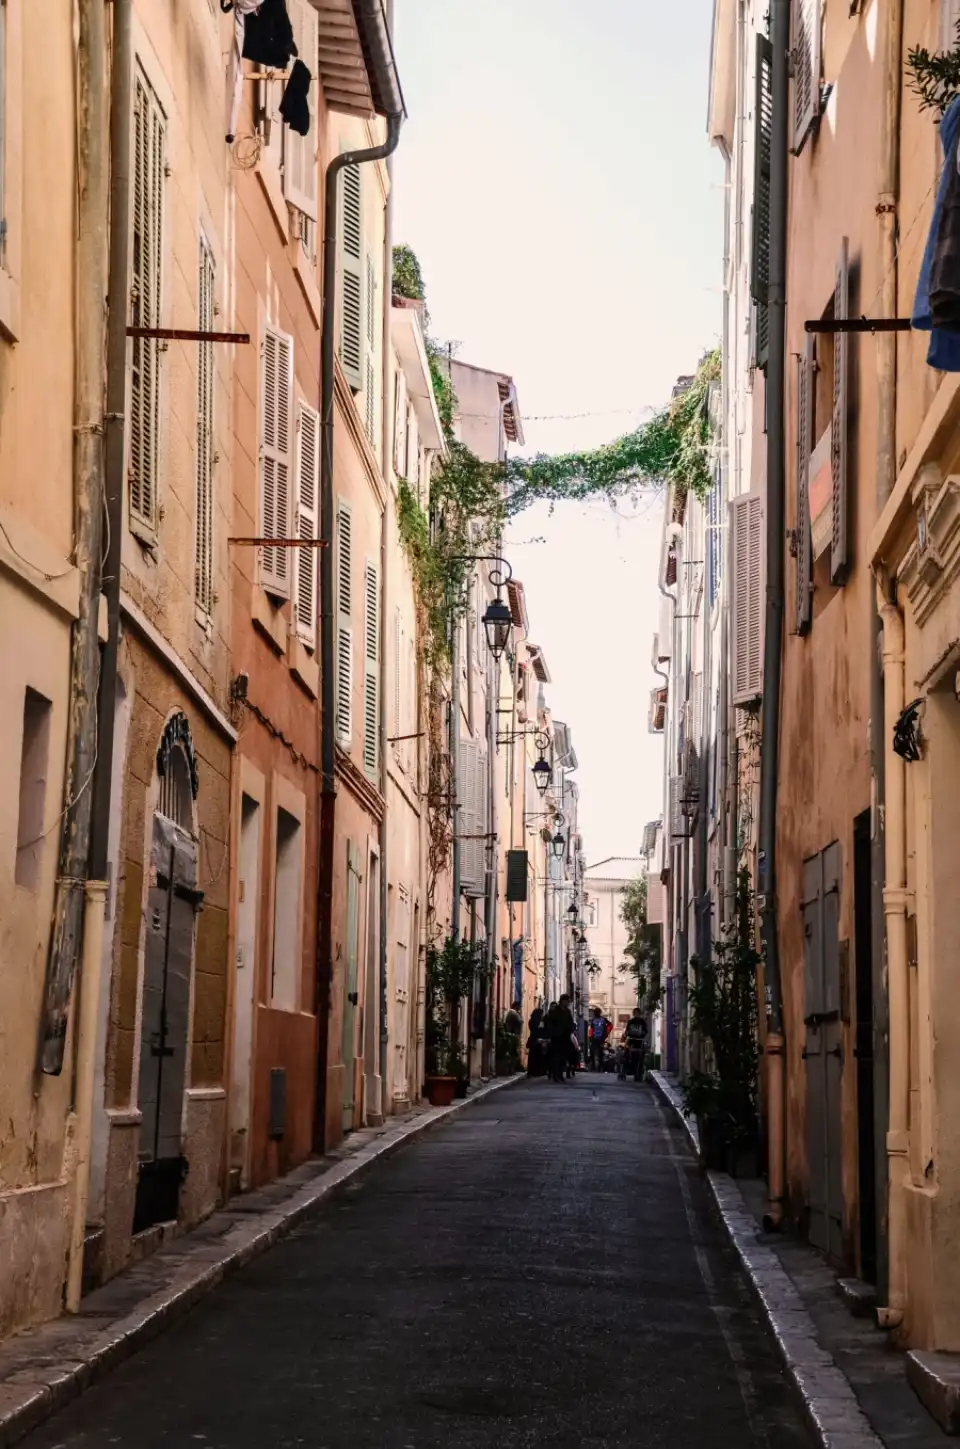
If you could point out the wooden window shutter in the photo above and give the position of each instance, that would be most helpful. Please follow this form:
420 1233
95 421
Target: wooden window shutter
762 139
276 464
149 181
677 819
351 281
308 479
397 666
746 575
839 547
206 374
344 585
806 70
371 669
400 425
802 536
465 825
300 152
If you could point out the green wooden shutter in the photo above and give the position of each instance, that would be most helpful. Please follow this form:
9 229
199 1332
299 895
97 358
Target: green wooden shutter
351 276
839 549
760 253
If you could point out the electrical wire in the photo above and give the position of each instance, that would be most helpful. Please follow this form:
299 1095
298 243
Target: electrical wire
50 578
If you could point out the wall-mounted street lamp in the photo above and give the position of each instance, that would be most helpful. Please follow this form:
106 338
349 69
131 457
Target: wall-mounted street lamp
559 845
497 619
542 775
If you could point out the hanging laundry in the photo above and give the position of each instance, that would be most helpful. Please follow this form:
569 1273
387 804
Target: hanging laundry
294 103
943 251
268 35
235 84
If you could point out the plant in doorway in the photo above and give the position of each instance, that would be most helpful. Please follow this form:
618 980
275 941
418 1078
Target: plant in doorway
453 969
723 1002
508 1045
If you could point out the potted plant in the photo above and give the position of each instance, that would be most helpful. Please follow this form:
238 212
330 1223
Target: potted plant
439 1083
508 1047
453 968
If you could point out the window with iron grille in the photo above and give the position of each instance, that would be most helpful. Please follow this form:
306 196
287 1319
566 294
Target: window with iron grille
149 181
203 566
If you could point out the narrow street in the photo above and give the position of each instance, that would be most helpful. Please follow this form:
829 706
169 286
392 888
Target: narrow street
542 1270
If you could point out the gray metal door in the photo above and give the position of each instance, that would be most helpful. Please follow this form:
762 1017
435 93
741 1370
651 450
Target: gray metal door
172 903
823 1048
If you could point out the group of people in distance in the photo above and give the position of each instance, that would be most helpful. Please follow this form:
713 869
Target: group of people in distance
553 1048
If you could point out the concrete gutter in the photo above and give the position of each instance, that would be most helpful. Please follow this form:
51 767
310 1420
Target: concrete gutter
43 1369
831 1406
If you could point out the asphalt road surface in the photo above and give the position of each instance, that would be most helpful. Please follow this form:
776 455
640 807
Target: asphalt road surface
544 1269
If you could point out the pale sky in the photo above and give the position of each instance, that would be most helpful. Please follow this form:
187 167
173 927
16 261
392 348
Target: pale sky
556 182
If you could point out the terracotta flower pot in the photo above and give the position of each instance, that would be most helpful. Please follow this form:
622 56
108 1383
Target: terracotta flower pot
440 1090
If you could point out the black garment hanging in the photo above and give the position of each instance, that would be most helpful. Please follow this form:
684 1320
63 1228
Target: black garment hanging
268 35
945 267
294 107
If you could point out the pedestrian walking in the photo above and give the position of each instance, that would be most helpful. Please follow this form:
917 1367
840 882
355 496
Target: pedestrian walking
599 1031
536 1065
635 1044
561 1038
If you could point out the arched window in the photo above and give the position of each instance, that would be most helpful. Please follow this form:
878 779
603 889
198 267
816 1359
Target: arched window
177 769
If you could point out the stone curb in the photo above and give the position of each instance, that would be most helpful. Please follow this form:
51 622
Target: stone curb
831 1406
34 1394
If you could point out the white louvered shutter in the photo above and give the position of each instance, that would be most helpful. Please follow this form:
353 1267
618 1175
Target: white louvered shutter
400 425
464 824
344 587
803 531
206 374
397 703
371 411
308 479
806 77
149 182
300 152
371 668
746 537
351 279
839 557
276 461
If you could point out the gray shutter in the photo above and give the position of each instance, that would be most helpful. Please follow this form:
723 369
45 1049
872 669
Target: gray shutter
149 173
746 576
371 410
762 135
371 668
839 554
802 536
351 276
308 474
344 586
806 70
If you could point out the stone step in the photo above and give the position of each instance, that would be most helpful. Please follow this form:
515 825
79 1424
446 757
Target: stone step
935 1378
860 1298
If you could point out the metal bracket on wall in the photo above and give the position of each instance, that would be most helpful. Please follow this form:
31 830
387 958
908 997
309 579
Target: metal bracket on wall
186 334
859 324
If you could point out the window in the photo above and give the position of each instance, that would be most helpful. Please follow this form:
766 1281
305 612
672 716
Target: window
746 539
806 73
285 971
3 129
276 407
34 759
371 411
400 424
203 570
344 604
760 252
300 152
149 181
351 286
308 481
803 549
176 791
371 669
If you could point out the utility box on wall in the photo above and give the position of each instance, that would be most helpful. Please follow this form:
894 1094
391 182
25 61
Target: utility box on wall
516 875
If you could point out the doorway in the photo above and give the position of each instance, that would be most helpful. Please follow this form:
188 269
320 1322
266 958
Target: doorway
863 1050
823 1048
350 993
172 903
248 900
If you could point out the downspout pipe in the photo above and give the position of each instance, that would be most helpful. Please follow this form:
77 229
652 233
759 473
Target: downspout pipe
898 973
389 83
773 620
66 940
890 1124
118 291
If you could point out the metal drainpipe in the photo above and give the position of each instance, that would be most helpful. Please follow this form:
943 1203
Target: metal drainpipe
414 953
891 1115
81 754
723 703
328 745
773 621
